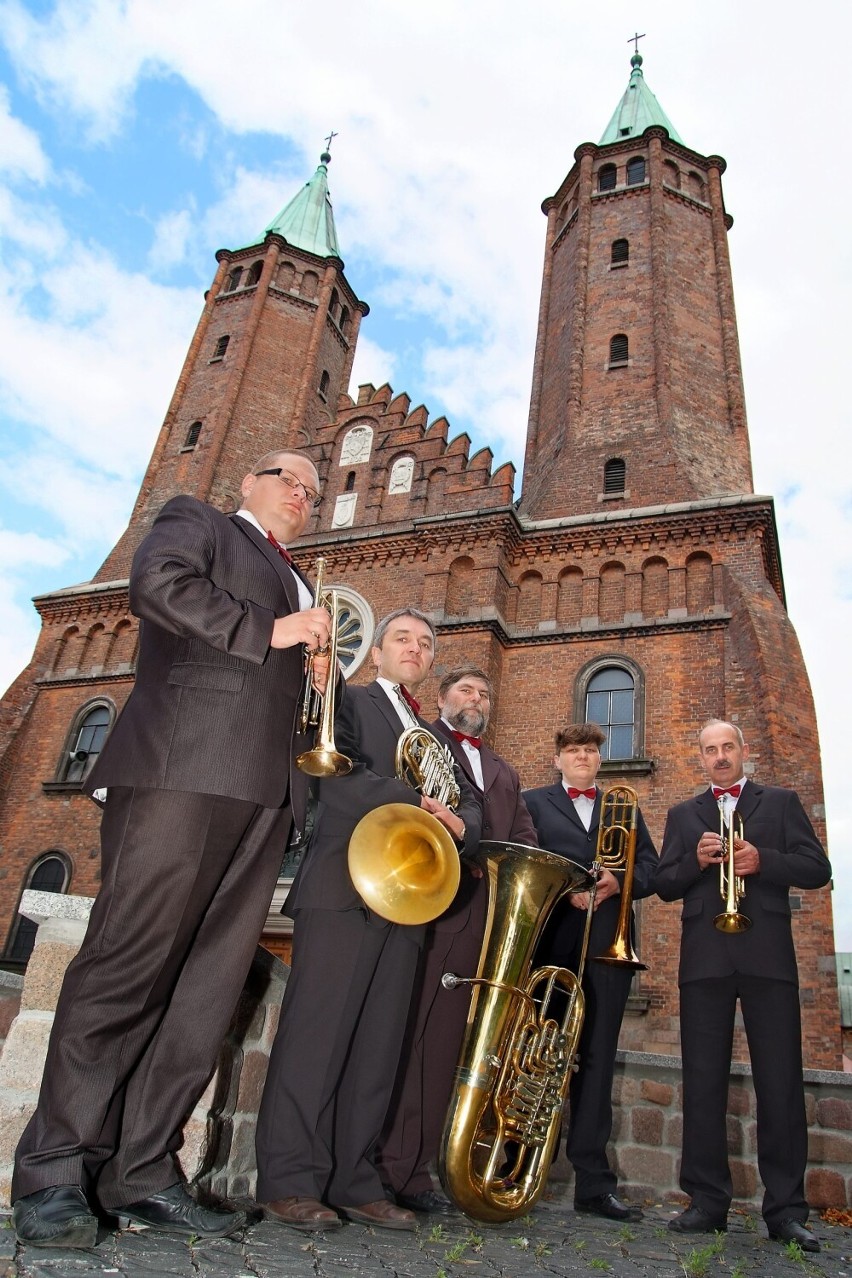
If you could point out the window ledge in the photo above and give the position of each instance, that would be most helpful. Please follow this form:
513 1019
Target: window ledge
616 363
62 787
627 767
618 266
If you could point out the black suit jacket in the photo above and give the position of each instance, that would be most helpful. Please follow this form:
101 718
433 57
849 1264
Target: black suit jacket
366 729
560 830
213 707
790 856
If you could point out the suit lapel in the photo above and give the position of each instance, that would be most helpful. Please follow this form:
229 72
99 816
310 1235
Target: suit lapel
558 797
382 703
285 573
749 800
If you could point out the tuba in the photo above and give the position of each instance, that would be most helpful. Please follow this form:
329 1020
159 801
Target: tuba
616 850
731 888
517 1056
324 759
403 862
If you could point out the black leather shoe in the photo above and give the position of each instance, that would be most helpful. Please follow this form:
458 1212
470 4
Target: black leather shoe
427 1200
55 1217
697 1221
608 1206
175 1211
797 1232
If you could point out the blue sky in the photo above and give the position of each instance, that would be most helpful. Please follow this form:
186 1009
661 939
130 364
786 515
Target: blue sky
138 136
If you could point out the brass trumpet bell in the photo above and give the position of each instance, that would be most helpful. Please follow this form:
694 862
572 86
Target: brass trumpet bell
322 761
404 863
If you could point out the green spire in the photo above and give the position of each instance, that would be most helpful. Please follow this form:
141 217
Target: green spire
637 110
307 222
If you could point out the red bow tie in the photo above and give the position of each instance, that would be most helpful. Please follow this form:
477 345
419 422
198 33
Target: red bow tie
591 793
408 699
734 790
476 742
282 550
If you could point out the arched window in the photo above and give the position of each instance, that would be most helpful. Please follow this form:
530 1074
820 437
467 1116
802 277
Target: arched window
569 601
334 304
696 185
192 435
611 702
233 280
221 347
350 482
343 322
85 742
620 251
618 350
607 174
699 583
635 171
310 284
612 593
323 384
51 873
655 587
615 475
286 275
254 273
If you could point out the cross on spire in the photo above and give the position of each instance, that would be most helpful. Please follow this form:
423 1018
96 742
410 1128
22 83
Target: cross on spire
328 140
634 40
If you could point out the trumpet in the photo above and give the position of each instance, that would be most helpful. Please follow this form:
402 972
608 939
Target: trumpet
731 887
324 759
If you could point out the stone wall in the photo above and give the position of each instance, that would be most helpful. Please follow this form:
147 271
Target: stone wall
218 1151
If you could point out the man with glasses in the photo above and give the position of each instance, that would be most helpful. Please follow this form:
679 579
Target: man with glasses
201 796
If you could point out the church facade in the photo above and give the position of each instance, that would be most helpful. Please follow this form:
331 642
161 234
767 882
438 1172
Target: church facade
634 580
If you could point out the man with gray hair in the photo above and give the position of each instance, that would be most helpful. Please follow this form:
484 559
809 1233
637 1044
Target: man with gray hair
335 1056
747 956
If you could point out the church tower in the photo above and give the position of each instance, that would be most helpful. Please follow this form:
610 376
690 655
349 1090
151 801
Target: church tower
637 395
271 353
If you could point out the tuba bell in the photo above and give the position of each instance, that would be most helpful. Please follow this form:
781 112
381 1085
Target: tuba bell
517 1056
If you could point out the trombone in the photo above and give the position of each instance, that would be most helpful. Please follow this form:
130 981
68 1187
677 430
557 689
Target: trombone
731 887
616 850
324 759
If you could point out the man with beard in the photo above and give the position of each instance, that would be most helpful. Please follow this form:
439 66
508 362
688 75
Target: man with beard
436 1026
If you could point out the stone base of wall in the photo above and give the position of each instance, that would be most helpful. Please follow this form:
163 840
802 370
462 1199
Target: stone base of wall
647 1130
218 1150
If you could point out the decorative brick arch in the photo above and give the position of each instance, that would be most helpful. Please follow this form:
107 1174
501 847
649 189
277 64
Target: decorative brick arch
569 599
459 587
655 587
529 600
611 600
699 583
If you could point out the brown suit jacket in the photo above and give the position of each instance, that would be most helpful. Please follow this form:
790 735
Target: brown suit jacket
213 706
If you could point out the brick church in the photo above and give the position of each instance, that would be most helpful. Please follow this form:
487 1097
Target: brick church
635 579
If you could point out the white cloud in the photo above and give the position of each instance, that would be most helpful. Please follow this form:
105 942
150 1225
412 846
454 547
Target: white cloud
171 239
21 153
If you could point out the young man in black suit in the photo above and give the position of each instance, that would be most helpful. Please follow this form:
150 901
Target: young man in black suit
333 1064
436 1026
199 805
567 818
779 850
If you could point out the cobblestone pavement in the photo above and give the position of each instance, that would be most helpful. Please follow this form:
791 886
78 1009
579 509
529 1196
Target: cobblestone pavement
553 1241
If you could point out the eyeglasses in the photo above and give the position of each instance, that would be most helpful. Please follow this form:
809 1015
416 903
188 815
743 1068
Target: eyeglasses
309 497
